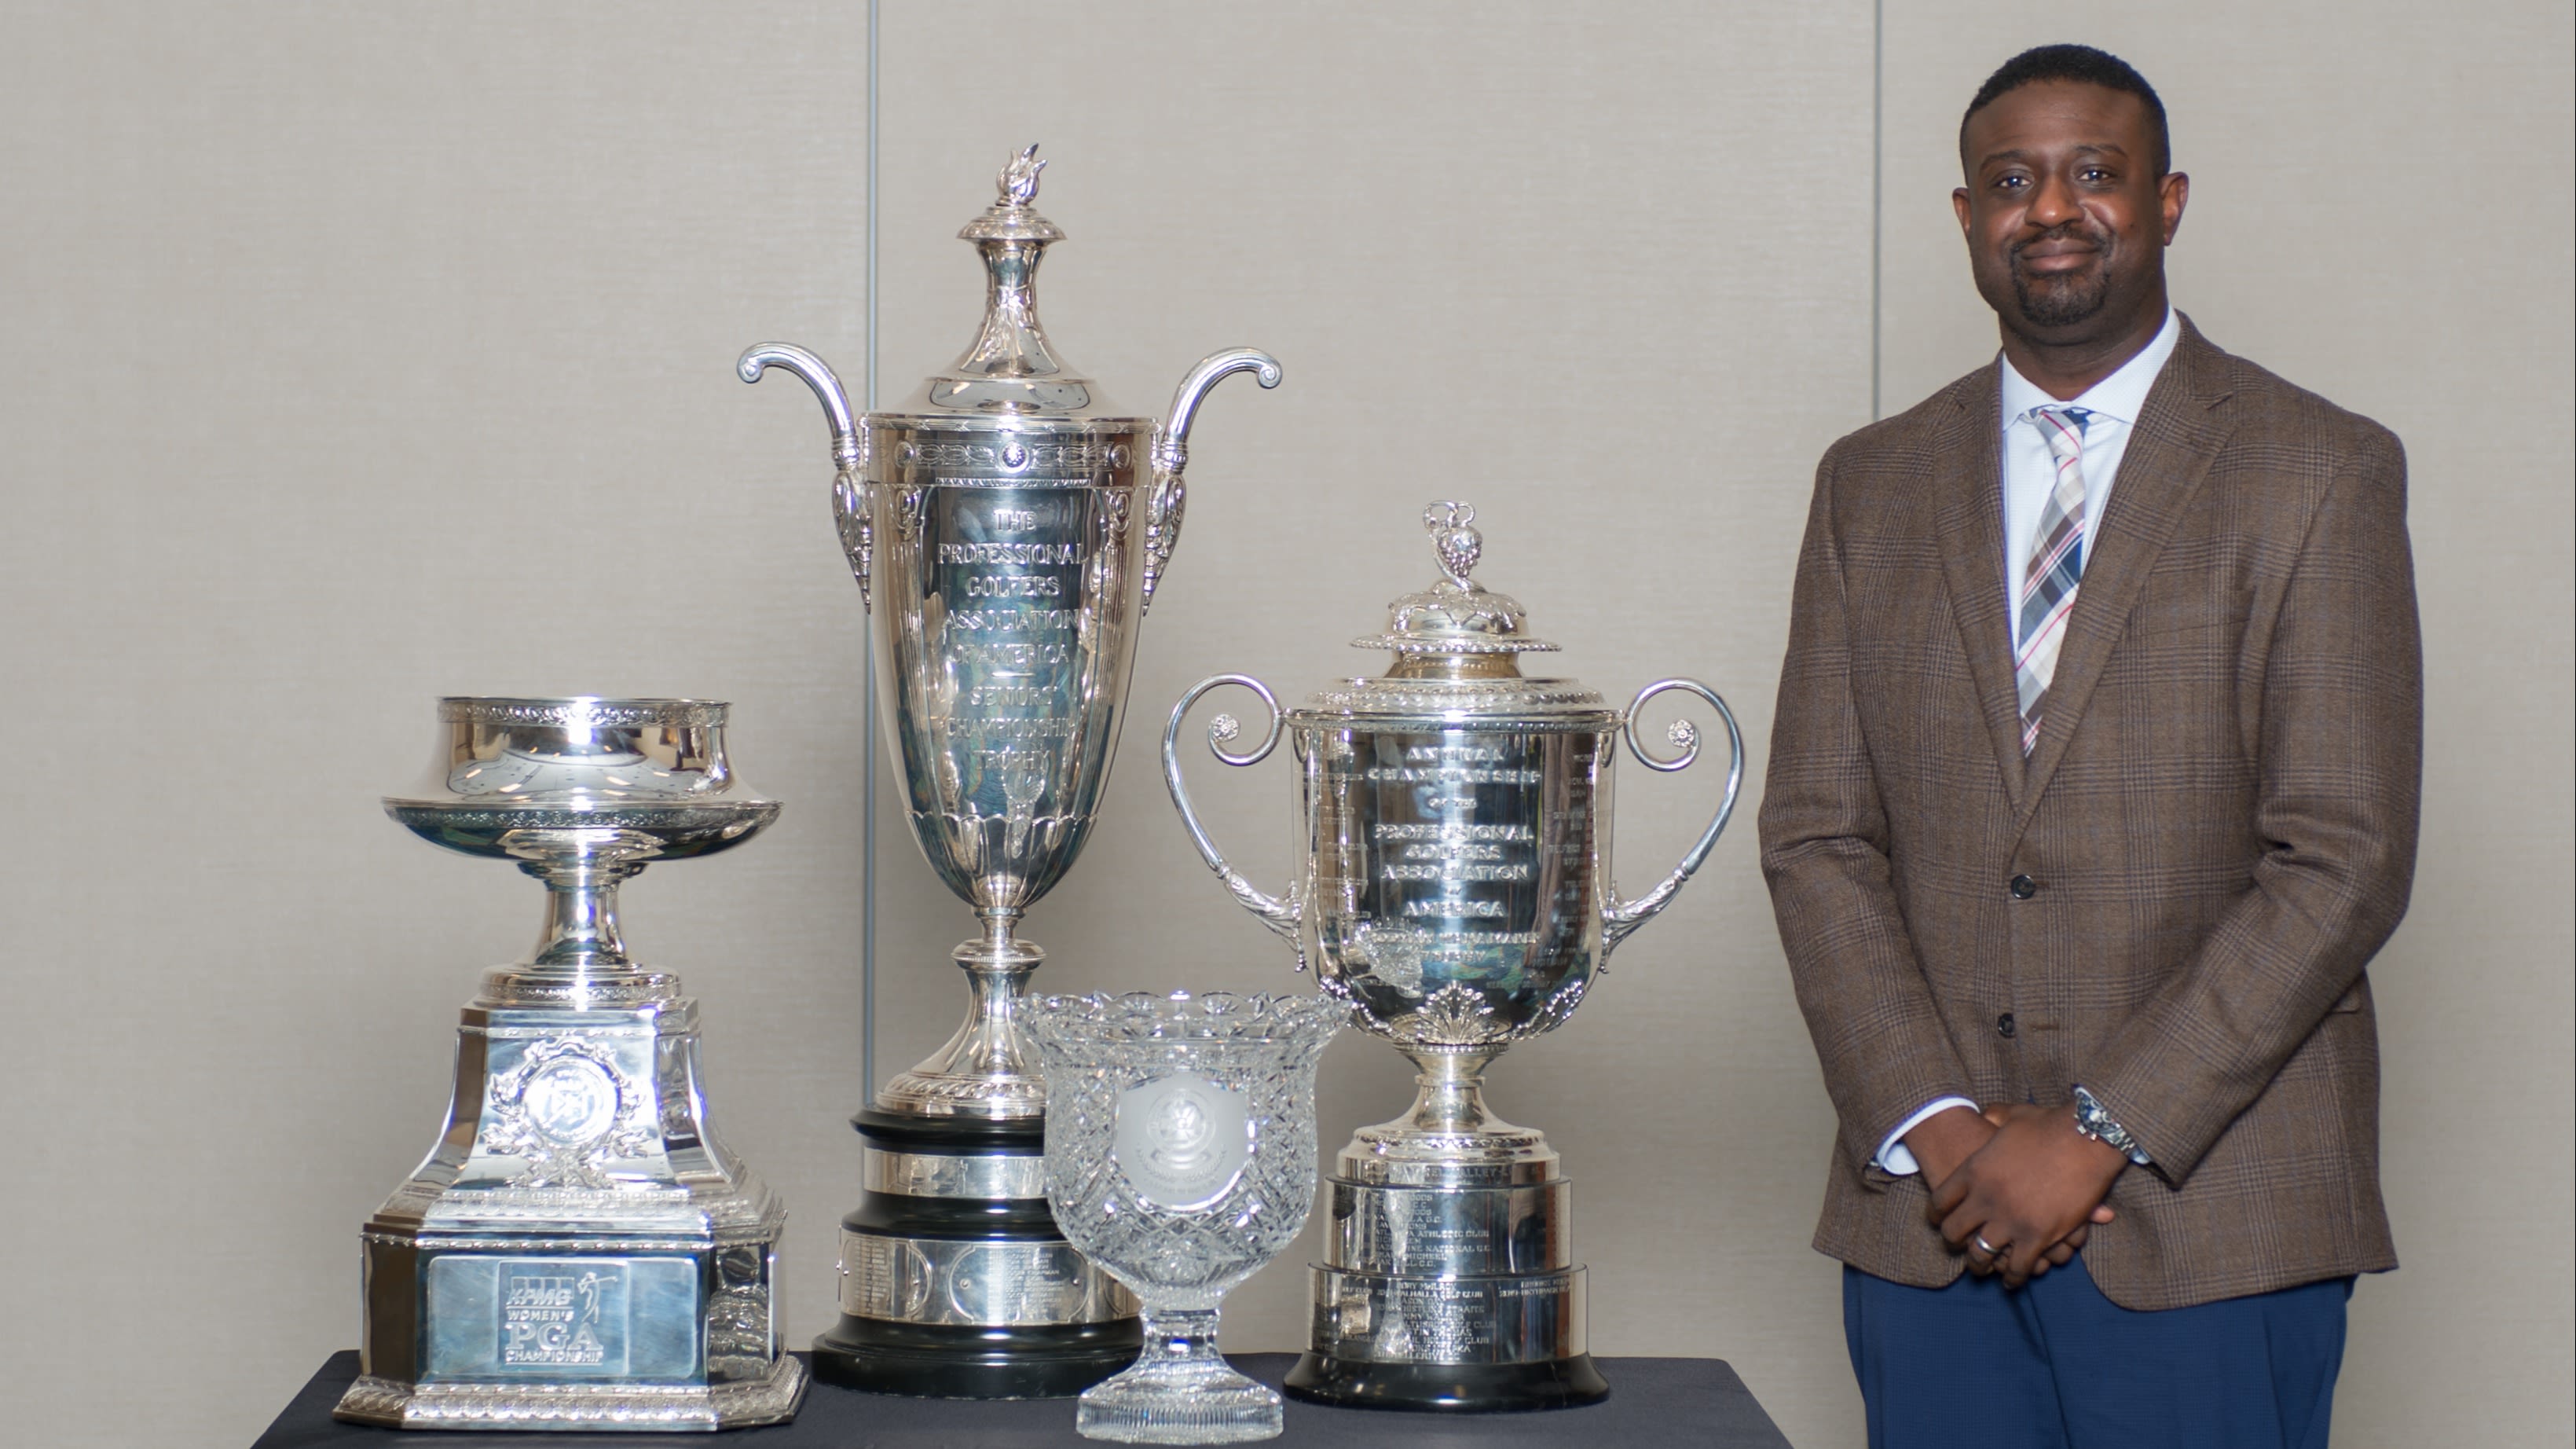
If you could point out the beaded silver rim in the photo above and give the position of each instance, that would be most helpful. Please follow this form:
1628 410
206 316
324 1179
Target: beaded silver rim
580 710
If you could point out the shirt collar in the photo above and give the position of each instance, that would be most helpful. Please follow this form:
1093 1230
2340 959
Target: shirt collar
2120 397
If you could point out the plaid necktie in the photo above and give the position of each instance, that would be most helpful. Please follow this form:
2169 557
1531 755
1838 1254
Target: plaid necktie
2056 564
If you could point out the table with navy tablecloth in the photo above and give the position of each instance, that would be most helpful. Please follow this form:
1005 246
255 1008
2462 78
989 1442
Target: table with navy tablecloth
1653 1403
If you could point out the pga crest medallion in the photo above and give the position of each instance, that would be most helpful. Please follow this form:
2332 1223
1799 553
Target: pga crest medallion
1181 1140
567 1111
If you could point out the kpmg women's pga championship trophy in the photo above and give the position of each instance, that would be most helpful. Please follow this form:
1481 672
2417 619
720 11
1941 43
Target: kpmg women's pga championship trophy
1455 892
1007 527
578 1251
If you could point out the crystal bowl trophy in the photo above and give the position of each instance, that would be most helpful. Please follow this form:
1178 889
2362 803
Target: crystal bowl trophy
1007 527
1455 892
578 1251
1180 1151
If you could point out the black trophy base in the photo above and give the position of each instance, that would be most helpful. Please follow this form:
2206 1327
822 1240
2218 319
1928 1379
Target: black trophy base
932 1361
1445 1388
886 1352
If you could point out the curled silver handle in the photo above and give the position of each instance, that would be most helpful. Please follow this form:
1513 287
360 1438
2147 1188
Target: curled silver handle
849 447
1622 917
1168 496
1279 915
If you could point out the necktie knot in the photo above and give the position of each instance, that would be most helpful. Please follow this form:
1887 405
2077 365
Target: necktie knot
2063 429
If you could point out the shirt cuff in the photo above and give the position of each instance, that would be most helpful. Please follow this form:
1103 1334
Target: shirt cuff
1894 1157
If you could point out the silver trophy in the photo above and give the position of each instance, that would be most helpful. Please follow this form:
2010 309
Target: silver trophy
578 1251
1455 892
1007 527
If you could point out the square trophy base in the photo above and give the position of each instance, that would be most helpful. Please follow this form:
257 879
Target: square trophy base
955 1283
578 1252
772 1398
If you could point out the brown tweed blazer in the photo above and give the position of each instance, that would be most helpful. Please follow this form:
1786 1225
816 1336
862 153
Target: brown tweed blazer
2219 819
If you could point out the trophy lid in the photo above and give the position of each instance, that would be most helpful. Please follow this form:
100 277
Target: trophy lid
1457 647
1011 370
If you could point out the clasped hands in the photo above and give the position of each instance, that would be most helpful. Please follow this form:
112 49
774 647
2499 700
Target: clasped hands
2016 1187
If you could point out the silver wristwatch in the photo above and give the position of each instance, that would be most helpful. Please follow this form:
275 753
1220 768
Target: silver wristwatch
2092 1121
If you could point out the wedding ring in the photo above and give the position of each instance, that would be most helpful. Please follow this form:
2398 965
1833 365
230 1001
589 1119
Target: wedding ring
1989 1249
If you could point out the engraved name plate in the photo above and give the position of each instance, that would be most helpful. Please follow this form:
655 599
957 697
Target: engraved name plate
560 1317
964 1281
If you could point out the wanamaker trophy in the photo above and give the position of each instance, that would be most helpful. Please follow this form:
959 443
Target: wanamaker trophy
578 1251
1455 892
1007 526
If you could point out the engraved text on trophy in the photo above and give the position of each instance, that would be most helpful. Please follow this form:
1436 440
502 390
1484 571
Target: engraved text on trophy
1014 731
1457 857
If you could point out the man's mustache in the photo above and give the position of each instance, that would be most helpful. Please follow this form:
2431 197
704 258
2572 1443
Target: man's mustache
2082 231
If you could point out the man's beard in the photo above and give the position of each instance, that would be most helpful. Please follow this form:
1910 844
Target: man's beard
2066 299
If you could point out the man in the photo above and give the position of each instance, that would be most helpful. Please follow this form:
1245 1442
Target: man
2092 790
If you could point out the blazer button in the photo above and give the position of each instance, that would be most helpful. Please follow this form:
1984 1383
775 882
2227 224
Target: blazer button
2023 888
2004 1026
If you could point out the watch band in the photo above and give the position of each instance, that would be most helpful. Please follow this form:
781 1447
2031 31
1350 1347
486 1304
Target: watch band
2094 1121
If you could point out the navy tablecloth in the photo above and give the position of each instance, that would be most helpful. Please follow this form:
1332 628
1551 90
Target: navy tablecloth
1653 1403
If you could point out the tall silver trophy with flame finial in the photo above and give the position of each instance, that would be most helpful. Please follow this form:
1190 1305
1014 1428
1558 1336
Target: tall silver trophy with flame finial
1007 527
1455 891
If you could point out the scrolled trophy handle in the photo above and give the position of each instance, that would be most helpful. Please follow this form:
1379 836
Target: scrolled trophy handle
1279 915
1621 917
1172 454
849 446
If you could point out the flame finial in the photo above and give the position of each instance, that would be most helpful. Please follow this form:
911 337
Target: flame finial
1019 179
1458 545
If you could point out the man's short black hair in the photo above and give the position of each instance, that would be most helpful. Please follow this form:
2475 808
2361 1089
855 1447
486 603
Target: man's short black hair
2071 63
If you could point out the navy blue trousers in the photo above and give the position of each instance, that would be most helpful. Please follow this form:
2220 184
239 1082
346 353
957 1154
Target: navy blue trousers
2056 1365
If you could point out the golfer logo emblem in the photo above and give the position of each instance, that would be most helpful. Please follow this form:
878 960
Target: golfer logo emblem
1181 1140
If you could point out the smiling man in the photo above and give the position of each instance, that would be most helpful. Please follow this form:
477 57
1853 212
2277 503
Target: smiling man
2092 792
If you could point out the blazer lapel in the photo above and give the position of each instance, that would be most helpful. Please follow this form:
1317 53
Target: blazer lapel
1968 514
2178 433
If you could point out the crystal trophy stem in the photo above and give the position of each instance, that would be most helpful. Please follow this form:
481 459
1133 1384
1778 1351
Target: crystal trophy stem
1007 528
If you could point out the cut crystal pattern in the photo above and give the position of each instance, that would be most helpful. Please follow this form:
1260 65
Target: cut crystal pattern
1185 1070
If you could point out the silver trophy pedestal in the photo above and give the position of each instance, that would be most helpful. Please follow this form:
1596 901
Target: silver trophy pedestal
955 1282
1448 1279
641 1301
1006 526
578 1251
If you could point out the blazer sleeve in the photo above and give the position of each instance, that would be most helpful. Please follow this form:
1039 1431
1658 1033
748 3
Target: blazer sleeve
1880 1040
2339 771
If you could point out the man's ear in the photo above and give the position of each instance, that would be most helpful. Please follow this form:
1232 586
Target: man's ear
1959 204
2172 192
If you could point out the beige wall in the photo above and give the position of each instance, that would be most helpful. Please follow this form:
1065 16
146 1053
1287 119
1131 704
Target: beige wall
349 357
